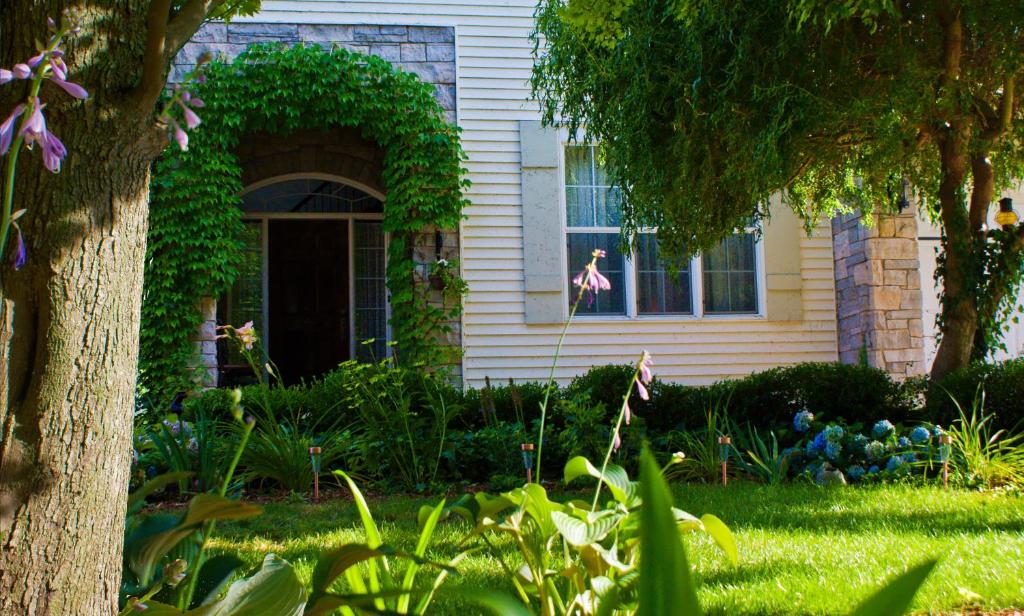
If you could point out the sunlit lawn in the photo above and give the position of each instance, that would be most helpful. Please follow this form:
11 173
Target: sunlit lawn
803 549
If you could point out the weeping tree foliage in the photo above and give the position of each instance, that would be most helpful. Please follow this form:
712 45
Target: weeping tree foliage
708 108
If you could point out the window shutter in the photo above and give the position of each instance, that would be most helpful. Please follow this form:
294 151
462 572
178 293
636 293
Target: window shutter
782 264
542 224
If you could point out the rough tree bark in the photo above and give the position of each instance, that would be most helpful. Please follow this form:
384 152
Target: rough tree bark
69 320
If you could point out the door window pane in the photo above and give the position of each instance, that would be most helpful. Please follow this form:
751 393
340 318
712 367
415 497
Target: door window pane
371 318
730 277
658 291
580 247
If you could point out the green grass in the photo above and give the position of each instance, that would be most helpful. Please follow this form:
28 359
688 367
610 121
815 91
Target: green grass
803 549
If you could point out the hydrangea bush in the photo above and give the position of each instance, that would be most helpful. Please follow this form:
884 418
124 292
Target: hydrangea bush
836 453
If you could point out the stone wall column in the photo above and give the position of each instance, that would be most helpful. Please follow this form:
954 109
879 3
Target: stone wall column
206 344
878 292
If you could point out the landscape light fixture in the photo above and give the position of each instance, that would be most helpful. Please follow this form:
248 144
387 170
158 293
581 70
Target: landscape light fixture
945 449
527 450
314 459
723 445
1006 217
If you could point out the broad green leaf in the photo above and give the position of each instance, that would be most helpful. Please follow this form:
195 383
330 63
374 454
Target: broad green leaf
334 563
722 536
497 603
533 499
214 575
666 587
582 532
144 555
426 532
615 477
895 597
372 536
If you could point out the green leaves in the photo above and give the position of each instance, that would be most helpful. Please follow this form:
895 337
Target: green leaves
615 478
666 586
146 547
895 597
194 248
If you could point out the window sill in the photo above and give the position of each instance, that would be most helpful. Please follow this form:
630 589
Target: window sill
668 318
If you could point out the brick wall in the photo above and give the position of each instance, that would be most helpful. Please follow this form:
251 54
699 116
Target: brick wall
878 292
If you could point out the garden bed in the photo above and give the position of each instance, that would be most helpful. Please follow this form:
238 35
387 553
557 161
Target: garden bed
803 549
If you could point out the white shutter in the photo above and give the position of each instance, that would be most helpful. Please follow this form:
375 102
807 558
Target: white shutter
542 224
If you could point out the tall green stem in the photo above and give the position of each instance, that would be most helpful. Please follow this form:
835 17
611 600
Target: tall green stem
615 432
551 375
12 158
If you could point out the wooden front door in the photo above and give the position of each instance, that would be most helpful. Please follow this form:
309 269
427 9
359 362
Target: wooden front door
309 303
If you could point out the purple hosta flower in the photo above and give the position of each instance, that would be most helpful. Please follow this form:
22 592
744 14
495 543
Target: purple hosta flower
802 421
5 76
883 429
646 361
71 88
20 252
34 128
247 335
7 128
180 137
627 412
616 441
53 153
191 119
21 71
590 279
874 450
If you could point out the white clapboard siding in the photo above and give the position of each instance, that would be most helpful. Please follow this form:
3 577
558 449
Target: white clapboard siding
493 62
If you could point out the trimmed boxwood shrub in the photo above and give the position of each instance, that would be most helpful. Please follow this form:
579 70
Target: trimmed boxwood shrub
1003 384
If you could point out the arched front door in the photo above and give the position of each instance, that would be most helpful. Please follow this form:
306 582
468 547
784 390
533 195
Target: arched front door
313 280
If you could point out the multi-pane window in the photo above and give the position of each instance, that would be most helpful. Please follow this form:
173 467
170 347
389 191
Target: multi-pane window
643 283
592 222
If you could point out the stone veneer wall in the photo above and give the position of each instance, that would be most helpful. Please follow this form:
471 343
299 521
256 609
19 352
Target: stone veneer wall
427 51
878 292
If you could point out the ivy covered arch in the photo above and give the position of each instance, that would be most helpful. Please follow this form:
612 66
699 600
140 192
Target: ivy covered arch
195 246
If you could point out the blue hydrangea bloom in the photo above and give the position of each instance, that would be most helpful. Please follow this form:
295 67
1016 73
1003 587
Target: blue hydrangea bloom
832 450
873 469
895 464
909 457
802 421
860 442
833 434
874 450
903 442
937 431
855 473
820 440
883 429
920 434
812 450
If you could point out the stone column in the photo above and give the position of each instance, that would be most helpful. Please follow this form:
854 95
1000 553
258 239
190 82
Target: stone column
206 344
878 292
425 256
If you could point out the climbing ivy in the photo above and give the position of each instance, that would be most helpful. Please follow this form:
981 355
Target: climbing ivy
194 246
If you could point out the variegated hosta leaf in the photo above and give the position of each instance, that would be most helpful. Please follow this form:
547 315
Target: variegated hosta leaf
583 532
623 490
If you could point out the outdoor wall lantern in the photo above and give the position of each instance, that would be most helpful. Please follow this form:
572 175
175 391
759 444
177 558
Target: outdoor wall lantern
904 201
1006 217
723 445
314 459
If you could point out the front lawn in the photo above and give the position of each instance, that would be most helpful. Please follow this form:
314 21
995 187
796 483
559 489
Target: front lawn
803 549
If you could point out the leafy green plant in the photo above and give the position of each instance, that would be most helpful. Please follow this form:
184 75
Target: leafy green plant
404 419
981 456
180 446
702 461
765 460
193 247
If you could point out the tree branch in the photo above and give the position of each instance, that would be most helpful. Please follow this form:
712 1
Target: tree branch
154 60
187 21
996 124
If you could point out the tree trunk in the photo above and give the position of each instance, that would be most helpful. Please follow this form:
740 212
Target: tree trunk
69 322
959 311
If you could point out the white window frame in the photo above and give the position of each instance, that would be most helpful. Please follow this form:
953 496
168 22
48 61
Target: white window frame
632 312
264 219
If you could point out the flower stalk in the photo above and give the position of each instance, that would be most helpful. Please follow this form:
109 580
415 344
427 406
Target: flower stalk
589 281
